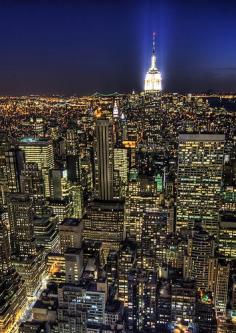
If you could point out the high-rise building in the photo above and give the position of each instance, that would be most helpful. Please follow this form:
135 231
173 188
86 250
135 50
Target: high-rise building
73 168
104 221
12 288
31 180
41 152
153 77
70 231
183 301
199 181
221 287
4 146
46 232
5 252
120 171
14 165
21 214
59 186
126 262
73 264
72 142
32 183
72 298
201 249
227 235
12 299
104 159
77 201
141 199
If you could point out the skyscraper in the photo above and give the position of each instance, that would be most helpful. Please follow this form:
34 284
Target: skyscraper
14 166
104 159
153 77
4 146
200 253
20 210
5 262
199 180
41 152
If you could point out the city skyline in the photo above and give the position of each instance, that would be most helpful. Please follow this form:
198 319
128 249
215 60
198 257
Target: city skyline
80 48
117 166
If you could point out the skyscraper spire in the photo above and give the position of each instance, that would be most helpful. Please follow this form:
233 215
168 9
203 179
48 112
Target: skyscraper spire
153 61
153 76
153 43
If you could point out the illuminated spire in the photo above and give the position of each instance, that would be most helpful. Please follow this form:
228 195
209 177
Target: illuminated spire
153 63
153 77
115 110
153 43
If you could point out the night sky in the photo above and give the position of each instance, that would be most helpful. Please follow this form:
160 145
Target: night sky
80 47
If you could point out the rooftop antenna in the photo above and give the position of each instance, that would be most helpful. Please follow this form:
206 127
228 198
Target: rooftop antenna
153 43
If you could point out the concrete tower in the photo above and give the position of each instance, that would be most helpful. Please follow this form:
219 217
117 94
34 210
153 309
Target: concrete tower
104 159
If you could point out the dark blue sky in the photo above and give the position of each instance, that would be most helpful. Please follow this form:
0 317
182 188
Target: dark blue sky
81 47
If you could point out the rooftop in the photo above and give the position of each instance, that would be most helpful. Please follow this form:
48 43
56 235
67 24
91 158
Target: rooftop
201 137
73 222
33 141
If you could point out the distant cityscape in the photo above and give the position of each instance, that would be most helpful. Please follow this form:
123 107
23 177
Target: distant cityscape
118 212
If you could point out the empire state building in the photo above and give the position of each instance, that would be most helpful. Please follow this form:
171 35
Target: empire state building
153 77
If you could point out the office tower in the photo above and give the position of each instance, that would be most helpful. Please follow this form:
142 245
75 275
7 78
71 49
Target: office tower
72 314
5 252
39 151
12 287
227 234
59 150
76 193
153 238
126 262
14 165
120 172
21 214
62 208
205 315
112 269
72 141
163 303
4 146
221 287
46 233
141 199
183 301
201 249
31 180
153 77
13 300
200 163
27 260
59 186
175 250
104 221
70 232
104 159
142 291
73 264
229 199
32 183
92 297
73 168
